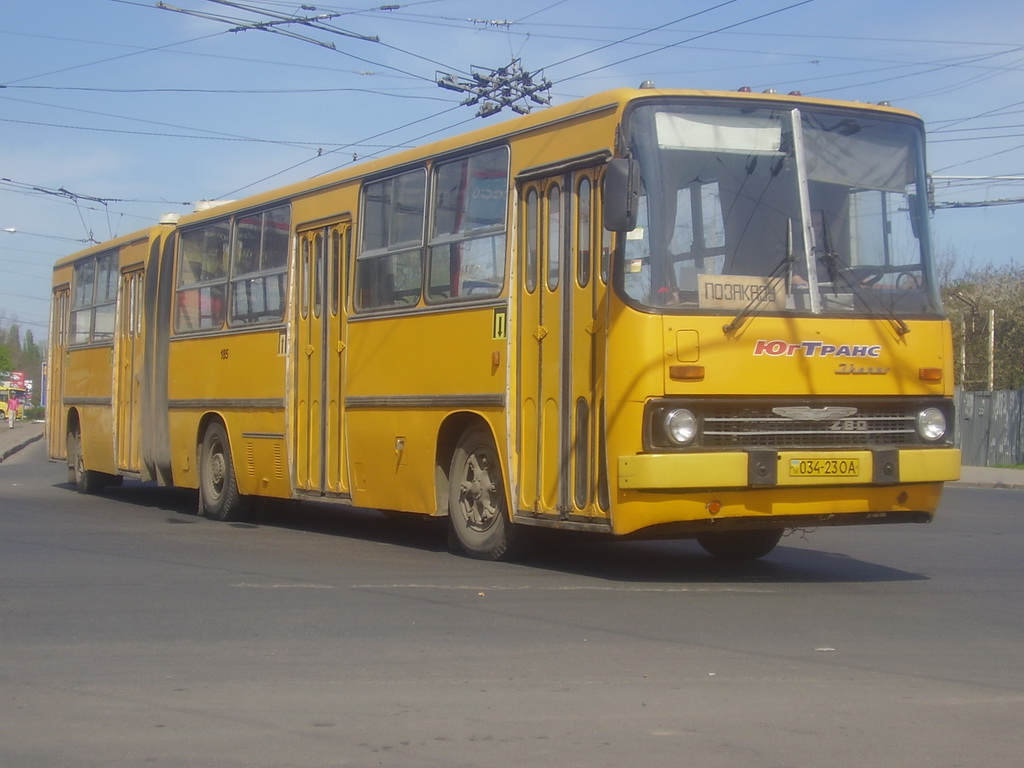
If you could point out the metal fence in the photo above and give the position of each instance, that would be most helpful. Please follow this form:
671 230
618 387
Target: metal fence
990 430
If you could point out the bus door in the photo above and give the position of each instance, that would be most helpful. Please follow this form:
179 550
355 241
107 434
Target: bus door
56 414
320 360
563 313
129 349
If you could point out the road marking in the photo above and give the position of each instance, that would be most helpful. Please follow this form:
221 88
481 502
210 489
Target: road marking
525 588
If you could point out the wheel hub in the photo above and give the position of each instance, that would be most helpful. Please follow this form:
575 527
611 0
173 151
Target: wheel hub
477 496
217 471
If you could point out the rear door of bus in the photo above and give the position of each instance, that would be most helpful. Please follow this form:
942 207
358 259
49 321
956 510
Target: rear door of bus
128 358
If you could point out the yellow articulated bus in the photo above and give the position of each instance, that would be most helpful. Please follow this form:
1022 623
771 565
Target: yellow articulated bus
647 313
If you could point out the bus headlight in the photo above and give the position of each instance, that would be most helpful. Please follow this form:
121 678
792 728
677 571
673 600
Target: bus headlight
931 424
680 426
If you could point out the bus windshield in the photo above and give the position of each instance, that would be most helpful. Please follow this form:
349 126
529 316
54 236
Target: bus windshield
779 210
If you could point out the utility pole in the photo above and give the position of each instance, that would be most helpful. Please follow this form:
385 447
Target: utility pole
991 349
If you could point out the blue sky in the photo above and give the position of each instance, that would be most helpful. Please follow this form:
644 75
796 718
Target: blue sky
113 112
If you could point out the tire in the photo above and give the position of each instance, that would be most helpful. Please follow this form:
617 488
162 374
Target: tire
741 545
86 481
478 520
218 488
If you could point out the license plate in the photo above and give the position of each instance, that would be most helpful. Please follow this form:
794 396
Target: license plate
824 467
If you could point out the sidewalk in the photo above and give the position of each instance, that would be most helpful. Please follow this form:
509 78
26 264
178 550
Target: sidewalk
26 433
991 477
13 440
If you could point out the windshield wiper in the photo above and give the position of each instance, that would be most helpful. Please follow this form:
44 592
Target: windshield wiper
839 272
783 272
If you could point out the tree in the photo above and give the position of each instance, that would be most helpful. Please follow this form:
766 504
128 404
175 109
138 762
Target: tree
968 298
14 341
32 357
6 361
18 353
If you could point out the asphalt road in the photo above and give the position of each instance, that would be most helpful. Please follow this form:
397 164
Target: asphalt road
133 633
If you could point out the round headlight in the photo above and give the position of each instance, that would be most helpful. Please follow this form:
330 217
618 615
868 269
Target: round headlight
680 426
931 424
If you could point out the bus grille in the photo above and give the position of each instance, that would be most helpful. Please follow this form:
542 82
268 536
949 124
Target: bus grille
886 424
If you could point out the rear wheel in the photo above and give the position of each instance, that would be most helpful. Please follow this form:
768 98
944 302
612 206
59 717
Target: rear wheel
85 480
741 545
478 518
218 488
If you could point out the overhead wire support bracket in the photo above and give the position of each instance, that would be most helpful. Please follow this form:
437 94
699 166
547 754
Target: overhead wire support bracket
494 89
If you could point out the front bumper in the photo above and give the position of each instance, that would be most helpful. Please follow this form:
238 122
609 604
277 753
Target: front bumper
780 469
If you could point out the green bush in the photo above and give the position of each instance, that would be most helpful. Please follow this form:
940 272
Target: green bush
32 414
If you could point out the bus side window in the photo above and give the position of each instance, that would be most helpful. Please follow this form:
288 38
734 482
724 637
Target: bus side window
467 240
95 294
389 268
202 277
259 266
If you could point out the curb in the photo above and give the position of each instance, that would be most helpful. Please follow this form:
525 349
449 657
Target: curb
997 485
24 444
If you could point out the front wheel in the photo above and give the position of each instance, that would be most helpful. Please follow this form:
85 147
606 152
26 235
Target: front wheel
218 488
741 545
478 520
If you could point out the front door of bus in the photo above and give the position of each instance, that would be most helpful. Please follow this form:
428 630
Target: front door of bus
129 369
563 295
320 360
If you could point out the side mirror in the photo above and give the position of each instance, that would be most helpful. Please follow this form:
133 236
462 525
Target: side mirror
621 194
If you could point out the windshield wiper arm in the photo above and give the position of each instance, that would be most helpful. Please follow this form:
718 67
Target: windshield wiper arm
839 272
783 271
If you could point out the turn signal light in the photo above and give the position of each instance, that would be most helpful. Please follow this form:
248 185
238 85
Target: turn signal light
686 372
930 374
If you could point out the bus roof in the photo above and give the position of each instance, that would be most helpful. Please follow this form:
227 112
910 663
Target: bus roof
120 241
612 100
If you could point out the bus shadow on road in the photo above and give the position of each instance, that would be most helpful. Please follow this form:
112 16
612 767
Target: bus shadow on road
675 561
409 530
683 561
180 501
